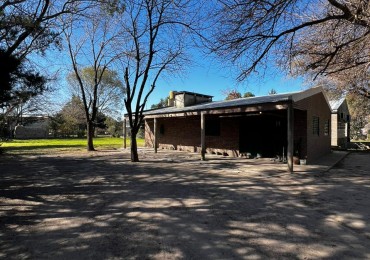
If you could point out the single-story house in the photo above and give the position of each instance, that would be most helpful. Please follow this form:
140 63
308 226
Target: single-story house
290 124
340 123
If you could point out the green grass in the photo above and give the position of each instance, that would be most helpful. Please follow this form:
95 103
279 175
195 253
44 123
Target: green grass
41 146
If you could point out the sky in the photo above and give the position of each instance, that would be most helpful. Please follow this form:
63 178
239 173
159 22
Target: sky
205 75
209 75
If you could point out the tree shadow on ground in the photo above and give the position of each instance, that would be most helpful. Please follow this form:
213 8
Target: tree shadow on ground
107 207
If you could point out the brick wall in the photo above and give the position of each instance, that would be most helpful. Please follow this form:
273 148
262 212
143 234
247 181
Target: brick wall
184 134
178 133
300 133
317 145
228 141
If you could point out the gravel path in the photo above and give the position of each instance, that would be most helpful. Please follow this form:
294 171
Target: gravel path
173 206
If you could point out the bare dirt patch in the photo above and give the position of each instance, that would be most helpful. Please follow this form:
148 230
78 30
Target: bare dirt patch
173 206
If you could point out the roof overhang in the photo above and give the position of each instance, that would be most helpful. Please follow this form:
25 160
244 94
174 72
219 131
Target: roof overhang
225 111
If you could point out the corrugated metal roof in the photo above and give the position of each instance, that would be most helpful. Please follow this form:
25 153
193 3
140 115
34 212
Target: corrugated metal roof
335 104
240 102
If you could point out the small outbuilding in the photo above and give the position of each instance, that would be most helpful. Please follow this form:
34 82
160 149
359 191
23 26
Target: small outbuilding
340 123
284 125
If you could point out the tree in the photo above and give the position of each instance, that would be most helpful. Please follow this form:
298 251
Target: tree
156 34
114 127
18 84
359 108
163 102
28 27
321 38
98 92
233 94
248 94
72 118
94 45
272 92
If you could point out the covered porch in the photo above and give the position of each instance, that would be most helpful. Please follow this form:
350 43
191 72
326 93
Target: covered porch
265 130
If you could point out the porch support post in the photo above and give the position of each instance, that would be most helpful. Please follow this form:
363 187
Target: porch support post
290 137
124 134
203 136
155 135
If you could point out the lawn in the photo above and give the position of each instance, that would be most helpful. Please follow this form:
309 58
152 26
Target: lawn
67 144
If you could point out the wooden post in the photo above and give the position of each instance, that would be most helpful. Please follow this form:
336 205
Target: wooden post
155 135
124 134
290 137
203 136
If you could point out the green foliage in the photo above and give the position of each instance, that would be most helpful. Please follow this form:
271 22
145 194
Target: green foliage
163 102
70 121
18 83
114 127
248 94
109 88
25 28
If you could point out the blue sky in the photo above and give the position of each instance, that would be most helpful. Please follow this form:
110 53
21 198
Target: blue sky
210 76
206 74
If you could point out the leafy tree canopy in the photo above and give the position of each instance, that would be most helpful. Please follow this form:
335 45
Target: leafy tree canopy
248 94
163 102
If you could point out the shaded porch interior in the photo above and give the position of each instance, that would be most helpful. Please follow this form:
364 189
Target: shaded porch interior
263 133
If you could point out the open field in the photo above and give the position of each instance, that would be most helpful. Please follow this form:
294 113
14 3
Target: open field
46 146
171 205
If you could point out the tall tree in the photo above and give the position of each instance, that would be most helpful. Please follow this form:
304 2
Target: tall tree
29 27
70 120
98 92
323 38
156 33
92 50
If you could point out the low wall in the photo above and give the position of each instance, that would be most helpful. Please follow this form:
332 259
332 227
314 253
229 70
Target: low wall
24 132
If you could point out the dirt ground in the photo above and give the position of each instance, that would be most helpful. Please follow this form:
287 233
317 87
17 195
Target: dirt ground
173 206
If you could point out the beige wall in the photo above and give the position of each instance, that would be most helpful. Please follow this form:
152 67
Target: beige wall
334 130
340 130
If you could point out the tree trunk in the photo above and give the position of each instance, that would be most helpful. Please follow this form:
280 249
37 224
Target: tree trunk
134 155
90 136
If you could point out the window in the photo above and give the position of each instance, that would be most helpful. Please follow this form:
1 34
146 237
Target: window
212 127
327 127
315 125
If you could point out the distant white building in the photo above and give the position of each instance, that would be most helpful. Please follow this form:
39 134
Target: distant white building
340 123
34 127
